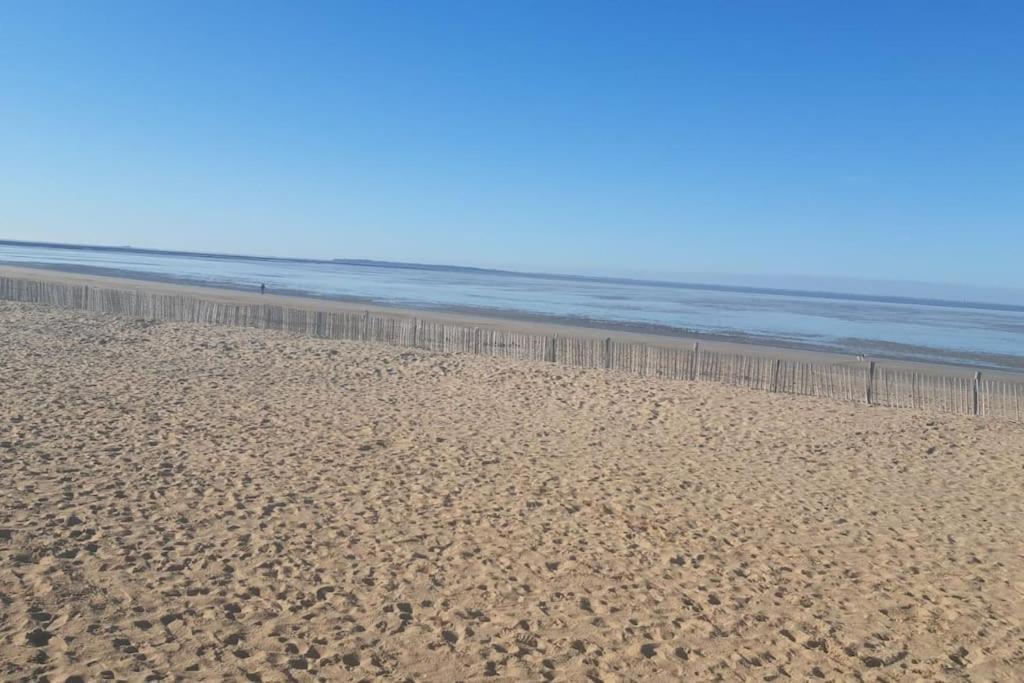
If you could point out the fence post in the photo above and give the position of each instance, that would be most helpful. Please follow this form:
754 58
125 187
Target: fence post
696 362
608 353
553 349
975 403
869 384
775 375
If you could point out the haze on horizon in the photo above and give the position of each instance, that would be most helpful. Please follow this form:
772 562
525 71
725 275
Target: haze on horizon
851 148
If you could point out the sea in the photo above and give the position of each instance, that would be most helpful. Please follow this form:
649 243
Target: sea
962 333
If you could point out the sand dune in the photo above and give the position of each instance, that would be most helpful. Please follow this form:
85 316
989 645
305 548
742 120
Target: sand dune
212 503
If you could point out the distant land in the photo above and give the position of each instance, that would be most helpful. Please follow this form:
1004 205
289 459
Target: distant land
814 294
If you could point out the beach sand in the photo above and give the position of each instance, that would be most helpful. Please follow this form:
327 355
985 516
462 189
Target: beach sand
234 504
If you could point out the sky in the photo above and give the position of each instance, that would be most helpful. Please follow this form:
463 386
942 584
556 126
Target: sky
813 140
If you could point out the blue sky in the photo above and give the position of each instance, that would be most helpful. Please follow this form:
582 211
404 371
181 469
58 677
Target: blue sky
843 139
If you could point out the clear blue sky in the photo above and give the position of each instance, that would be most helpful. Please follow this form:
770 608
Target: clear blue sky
851 139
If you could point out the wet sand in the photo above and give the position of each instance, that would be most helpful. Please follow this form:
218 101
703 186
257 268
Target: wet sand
234 504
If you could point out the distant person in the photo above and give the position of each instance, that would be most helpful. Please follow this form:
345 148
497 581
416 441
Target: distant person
263 288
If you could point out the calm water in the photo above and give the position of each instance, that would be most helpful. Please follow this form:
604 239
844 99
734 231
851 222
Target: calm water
925 332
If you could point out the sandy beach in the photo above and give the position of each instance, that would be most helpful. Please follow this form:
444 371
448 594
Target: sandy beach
198 503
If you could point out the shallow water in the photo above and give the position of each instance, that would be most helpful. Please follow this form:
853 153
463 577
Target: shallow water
993 338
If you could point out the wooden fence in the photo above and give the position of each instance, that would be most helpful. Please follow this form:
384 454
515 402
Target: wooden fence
871 383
